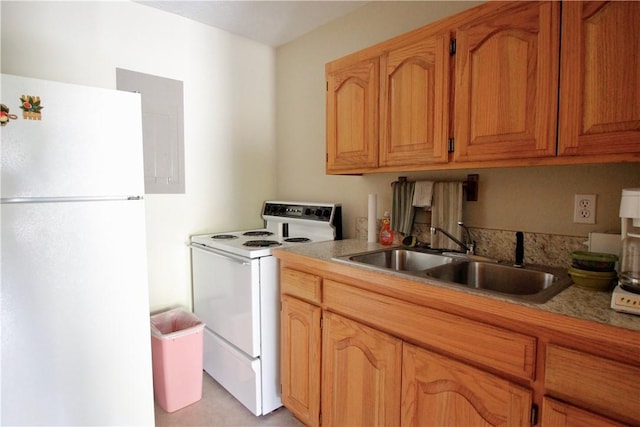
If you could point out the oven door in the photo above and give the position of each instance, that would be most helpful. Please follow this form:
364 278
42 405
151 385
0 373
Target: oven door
226 296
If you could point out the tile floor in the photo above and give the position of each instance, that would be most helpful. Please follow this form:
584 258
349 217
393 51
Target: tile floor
218 408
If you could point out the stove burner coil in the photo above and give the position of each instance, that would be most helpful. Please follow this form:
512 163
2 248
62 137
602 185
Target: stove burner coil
297 240
223 237
261 243
257 233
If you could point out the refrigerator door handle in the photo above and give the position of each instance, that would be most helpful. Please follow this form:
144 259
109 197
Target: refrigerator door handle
63 199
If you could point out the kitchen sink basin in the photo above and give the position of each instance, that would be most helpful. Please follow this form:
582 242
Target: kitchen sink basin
523 283
399 259
533 283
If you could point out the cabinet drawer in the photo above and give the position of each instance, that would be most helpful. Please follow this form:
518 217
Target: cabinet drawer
600 384
302 285
492 347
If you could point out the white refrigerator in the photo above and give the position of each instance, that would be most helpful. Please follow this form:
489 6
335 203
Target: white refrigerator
75 334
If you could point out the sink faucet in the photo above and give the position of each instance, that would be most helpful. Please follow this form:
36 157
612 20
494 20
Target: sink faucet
467 248
470 243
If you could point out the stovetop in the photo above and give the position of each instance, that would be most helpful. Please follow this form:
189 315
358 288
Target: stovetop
286 224
251 246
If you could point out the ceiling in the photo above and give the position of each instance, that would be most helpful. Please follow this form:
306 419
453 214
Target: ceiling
273 23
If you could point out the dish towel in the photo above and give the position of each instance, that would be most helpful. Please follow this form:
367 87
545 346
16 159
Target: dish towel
402 206
446 211
423 194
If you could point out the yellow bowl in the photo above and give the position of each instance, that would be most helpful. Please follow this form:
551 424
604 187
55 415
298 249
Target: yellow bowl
593 280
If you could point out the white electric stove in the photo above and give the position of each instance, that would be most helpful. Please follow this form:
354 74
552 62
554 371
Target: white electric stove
236 295
286 224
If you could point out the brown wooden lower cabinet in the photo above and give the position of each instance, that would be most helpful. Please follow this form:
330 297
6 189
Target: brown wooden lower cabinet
360 374
602 385
300 359
351 356
370 378
438 391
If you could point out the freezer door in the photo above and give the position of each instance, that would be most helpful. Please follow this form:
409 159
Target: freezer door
88 141
76 346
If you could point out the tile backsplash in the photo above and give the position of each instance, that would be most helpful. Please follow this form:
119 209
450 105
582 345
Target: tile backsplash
543 249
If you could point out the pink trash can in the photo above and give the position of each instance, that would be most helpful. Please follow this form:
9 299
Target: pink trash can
176 349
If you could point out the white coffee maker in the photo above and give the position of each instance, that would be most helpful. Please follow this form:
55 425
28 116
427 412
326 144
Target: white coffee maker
626 295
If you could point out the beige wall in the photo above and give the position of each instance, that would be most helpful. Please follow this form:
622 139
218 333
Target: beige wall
535 199
229 111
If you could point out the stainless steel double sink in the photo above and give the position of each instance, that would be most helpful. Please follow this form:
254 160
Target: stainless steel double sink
533 284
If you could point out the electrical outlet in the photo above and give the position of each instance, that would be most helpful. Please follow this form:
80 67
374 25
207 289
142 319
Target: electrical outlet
584 209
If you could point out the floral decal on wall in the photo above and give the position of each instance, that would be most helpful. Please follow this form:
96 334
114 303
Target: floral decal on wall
5 116
31 107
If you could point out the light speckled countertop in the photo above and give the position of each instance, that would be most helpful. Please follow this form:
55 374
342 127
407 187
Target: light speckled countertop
573 301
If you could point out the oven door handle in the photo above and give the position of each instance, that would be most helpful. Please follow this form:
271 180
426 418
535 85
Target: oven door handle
232 257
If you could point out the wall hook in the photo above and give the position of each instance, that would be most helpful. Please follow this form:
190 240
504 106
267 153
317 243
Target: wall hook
470 187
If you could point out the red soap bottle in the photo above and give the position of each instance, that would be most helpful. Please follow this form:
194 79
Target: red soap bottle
386 234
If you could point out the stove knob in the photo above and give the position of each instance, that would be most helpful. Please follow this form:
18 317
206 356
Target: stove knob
326 213
307 211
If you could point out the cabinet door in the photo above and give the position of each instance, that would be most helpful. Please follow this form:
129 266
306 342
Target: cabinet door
600 78
361 374
352 117
507 83
300 359
415 104
439 391
558 414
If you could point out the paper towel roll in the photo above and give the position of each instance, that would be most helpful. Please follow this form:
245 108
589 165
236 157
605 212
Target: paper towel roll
372 221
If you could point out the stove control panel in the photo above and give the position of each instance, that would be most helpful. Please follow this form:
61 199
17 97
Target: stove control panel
310 212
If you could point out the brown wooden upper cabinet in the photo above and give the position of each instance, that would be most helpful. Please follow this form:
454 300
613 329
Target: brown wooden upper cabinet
390 110
507 84
352 116
482 89
600 78
415 94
